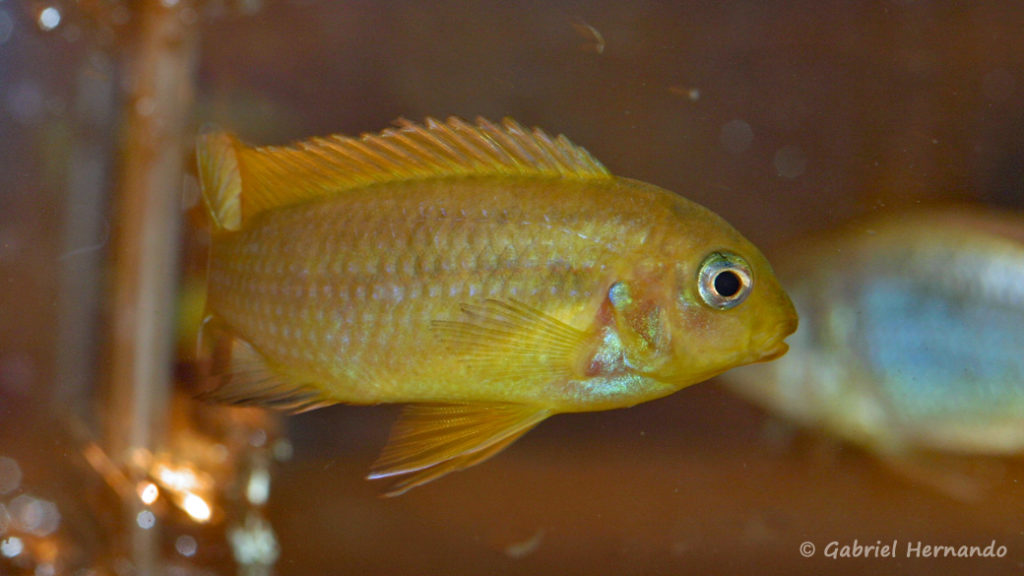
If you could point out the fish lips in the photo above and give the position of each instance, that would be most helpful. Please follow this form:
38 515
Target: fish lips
775 346
774 352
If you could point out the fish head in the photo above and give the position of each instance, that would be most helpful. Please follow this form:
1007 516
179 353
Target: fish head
703 312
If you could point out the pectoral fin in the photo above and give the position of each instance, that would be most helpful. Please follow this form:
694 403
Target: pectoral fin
514 342
431 440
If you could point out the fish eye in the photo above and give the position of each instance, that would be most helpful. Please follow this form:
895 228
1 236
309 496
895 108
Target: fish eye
724 280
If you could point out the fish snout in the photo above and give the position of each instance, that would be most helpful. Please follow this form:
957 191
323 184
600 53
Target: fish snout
773 344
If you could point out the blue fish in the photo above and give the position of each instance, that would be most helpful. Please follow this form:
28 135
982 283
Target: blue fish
911 338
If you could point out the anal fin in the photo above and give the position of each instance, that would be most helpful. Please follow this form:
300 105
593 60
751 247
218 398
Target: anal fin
432 440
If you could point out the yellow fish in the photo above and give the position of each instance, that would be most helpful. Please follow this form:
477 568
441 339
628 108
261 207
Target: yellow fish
488 275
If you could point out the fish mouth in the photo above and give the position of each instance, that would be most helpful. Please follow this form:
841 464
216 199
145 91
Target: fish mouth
773 352
774 345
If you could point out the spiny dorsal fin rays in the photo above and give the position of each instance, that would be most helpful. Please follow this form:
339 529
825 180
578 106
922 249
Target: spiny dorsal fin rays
280 176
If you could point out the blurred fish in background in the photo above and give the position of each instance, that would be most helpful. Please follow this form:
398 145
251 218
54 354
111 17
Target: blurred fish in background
911 338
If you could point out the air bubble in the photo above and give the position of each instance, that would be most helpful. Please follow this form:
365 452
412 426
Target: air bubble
736 136
49 18
11 547
790 162
283 450
257 489
258 438
34 515
186 545
145 519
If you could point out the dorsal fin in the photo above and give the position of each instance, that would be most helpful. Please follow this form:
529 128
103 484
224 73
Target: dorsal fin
219 179
239 181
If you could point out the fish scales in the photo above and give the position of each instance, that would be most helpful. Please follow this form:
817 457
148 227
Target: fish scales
488 276
274 272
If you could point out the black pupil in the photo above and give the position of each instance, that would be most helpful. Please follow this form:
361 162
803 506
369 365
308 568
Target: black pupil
727 284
